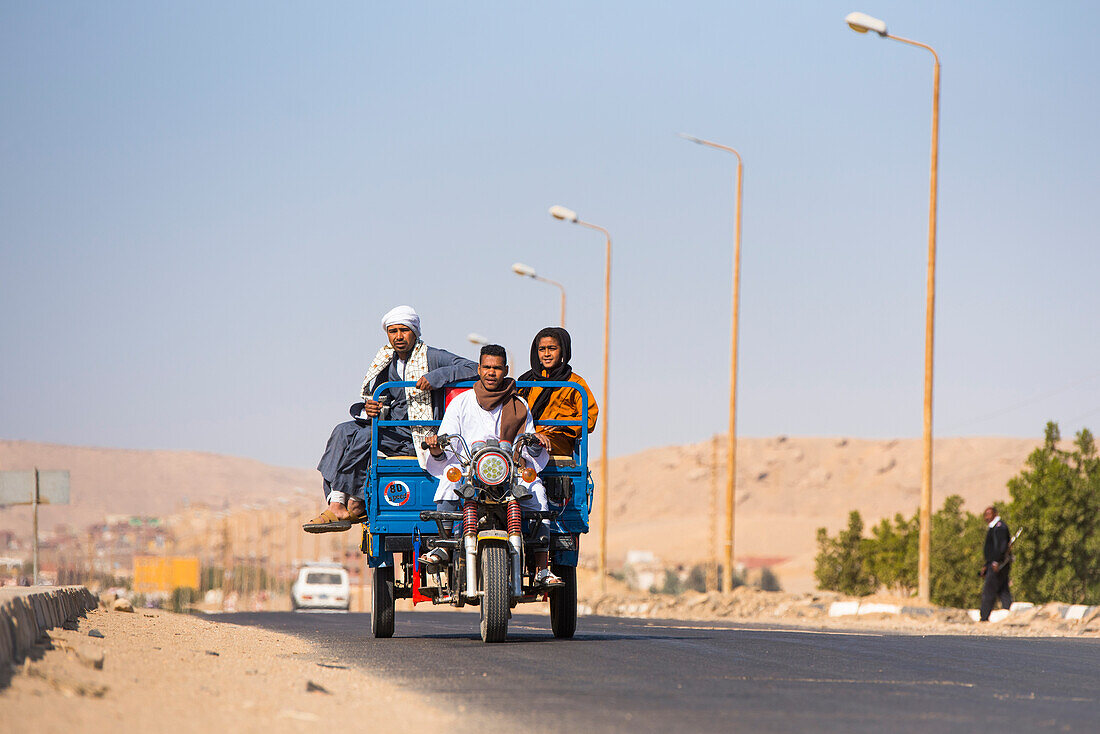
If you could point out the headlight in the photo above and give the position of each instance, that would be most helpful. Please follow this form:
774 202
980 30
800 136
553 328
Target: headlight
492 468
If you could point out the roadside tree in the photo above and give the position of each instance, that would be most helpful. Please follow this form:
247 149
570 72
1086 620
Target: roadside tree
841 562
1056 501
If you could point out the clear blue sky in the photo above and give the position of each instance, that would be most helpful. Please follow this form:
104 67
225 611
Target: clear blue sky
206 207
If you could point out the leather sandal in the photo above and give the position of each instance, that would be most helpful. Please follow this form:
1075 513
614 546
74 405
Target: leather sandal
327 522
357 515
547 579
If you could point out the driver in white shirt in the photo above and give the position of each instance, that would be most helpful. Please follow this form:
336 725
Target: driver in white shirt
492 409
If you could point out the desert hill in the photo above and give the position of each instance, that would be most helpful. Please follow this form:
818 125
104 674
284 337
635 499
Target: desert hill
660 498
789 487
121 481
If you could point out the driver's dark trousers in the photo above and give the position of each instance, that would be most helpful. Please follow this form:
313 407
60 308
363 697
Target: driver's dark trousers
995 587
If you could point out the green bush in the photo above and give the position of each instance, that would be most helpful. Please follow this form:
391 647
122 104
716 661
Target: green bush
697 578
768 581
1056 501
841 563
182 598
957 541
672 583
852 564
892 554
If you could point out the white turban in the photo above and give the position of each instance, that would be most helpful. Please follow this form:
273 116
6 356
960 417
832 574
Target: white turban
402 315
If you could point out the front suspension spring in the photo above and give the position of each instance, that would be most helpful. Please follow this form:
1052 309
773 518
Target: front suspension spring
515 519
469 518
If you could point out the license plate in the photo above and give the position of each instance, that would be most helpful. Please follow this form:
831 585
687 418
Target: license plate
322 596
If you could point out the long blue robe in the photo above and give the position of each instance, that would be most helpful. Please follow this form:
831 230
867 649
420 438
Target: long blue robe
346 460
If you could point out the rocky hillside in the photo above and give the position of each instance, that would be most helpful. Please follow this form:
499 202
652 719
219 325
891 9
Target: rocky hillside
661 499
119 481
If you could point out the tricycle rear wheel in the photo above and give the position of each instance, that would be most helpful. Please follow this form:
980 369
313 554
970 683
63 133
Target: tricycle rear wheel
563 603
494 585
381 608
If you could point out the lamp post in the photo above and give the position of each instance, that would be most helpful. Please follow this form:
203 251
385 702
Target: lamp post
862 23
731 465
567 215
526 271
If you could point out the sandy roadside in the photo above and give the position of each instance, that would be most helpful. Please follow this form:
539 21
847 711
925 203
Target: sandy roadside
171 673
812 610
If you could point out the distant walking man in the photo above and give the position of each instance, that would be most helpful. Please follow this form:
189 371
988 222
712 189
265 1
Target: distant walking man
997 561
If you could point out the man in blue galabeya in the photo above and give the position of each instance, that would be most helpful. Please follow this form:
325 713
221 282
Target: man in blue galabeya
346 461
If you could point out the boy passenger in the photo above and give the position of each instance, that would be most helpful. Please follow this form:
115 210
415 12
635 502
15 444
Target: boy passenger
550 354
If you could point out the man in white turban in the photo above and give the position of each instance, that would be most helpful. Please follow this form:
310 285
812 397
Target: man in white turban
346 461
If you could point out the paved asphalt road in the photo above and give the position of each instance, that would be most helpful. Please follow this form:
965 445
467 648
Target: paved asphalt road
642 675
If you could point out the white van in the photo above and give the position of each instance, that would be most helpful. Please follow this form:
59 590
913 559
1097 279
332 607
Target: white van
321 586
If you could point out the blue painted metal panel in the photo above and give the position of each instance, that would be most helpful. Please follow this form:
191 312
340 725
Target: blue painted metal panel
397 489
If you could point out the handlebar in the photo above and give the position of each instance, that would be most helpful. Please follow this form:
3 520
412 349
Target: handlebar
524 439
531 442
444 440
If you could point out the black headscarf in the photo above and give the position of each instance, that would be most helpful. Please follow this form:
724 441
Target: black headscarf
559 374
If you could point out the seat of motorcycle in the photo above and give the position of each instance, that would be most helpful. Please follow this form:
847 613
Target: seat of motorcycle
562 462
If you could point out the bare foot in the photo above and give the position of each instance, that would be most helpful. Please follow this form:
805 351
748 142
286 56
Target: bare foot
356 507
339 510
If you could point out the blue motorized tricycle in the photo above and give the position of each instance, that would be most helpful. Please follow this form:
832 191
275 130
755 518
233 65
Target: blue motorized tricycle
491 540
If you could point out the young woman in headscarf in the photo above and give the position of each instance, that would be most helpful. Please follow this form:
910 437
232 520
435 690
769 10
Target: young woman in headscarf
550 354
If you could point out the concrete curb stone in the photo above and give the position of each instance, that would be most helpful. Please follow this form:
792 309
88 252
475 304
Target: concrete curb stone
26 612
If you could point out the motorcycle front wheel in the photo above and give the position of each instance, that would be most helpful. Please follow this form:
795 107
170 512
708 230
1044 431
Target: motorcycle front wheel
494 584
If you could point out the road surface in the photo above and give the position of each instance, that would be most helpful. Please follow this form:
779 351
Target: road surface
641 675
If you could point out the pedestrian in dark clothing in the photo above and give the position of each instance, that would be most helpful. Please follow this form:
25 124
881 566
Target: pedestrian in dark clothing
997 561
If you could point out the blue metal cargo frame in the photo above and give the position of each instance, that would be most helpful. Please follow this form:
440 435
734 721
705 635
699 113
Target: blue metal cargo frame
397 489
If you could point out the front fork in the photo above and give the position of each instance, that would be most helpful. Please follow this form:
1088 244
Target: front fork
469 532
515 539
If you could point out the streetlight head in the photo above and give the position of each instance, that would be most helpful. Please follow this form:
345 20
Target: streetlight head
692 138
475 338
861 23
525 270
566 215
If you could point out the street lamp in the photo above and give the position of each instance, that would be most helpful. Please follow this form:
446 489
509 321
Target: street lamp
568 215
526 271
862 23
731 466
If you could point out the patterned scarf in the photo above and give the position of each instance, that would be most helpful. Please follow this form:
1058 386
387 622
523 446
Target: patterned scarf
419 402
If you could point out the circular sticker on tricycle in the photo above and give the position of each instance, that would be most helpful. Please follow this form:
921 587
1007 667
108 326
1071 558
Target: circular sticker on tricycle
396 493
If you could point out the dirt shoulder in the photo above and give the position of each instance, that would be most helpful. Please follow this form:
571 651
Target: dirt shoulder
826 610
157 671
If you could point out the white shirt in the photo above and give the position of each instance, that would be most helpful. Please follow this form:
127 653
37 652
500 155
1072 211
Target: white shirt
468 419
